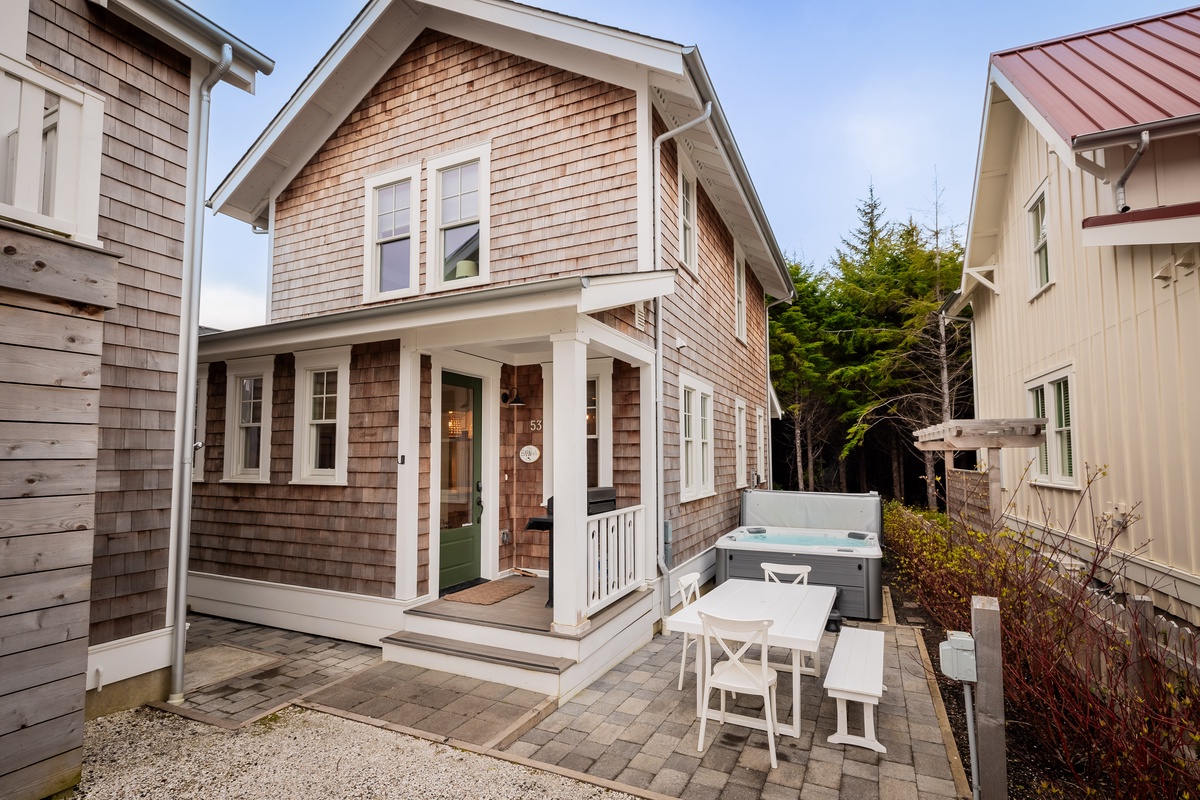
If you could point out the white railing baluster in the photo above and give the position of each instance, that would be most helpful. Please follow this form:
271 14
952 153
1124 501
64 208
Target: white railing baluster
612 555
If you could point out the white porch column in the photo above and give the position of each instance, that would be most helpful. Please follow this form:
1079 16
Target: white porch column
647 558
570 483
408 457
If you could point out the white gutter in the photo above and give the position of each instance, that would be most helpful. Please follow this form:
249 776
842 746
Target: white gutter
185 387
660 479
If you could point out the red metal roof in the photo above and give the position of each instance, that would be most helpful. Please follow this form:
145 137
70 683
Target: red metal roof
1130 74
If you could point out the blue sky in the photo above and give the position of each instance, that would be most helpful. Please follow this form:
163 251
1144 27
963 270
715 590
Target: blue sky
823 98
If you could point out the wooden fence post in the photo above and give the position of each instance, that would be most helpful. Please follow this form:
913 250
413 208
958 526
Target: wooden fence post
989 699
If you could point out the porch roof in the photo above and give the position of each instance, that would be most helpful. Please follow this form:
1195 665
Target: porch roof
973 434
527 310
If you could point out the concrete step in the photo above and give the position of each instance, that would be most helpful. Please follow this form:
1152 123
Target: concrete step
479 652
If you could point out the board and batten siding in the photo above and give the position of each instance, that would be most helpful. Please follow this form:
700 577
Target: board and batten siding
53 296
703 312
145 85
339 538
1133 343
563 171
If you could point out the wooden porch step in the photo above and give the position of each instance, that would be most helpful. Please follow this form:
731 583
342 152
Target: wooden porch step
480 652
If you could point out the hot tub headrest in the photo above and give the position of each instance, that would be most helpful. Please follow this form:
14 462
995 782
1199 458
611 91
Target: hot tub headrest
830 510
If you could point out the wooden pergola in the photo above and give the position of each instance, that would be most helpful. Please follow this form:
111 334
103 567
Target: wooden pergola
982 434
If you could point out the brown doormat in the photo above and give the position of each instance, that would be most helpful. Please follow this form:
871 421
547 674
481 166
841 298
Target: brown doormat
485 594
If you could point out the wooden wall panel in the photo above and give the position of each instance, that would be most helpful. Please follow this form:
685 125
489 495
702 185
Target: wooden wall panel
563 164
340 538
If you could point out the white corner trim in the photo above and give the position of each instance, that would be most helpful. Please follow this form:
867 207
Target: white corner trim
122 659
339 615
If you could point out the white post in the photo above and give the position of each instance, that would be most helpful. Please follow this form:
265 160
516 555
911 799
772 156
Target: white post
570 483
648 542
408 472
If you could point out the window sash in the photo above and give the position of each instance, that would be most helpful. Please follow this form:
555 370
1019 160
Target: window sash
1041 253
1062 429
696 435
687 218
322 421
458 222
250 423
1038 395
741 468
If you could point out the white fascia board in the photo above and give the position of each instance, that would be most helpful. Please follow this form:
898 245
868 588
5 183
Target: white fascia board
983 139
1153 231
154 17
614 291
1064 151
615 344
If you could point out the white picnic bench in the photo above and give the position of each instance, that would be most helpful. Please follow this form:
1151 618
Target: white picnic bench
856 673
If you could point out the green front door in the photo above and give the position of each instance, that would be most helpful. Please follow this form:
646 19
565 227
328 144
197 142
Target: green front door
461 482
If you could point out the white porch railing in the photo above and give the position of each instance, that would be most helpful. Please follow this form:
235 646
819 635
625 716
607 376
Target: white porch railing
50 143
612 555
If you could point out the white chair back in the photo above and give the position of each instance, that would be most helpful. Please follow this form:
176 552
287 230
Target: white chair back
727 634
689 588
771 572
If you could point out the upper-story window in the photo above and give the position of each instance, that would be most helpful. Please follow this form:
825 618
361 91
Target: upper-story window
322 430
687 213
390 247
696 438
458 221
739 291
1040 263
248 419
1050 397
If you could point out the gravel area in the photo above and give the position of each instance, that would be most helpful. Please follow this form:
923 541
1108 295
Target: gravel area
145 753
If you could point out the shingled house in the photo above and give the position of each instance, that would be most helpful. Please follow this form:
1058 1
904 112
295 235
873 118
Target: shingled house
514 256
101 148
1081 270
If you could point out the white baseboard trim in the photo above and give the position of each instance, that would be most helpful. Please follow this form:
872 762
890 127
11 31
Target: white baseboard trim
116 661
338 615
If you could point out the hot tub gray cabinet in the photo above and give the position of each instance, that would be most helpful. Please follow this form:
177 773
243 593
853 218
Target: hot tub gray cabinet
838 535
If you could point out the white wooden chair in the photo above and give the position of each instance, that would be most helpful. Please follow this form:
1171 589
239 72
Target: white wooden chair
771 572
738 674
689 590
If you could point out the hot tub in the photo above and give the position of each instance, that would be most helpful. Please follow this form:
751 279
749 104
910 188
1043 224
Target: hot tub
847 560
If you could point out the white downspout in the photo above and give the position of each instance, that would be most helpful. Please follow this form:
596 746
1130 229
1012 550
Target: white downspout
660 479
185 389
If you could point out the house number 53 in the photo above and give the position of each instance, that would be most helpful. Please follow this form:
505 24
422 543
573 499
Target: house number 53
535 424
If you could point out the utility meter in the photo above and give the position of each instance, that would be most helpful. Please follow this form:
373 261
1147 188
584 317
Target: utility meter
958 656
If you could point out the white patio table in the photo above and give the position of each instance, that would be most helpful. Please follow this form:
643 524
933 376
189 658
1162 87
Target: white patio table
798 615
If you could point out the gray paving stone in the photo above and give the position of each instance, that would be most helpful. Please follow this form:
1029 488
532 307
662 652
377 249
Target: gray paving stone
669 781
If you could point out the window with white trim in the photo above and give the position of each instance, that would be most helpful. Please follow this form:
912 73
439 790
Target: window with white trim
741 468
248 419
1050 397
739 290
687 213
1040 259
760 447
321 434
198 430
390 248
696 438
458 217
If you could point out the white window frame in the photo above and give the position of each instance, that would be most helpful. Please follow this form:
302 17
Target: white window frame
687 217
198 430
262 367
697 482
433 240
303 469
1039 241
1050 455
760 447
739 293
371 261
742 465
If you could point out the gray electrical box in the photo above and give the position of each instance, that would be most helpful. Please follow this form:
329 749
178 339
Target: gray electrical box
958 656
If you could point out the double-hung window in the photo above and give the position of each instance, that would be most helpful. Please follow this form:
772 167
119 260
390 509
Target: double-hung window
322 430
687 213
458 219
1040 264
696 438
390 247
248 419
760 448
741 470
739 293
1050 398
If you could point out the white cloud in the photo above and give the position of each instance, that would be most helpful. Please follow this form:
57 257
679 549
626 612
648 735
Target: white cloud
227 307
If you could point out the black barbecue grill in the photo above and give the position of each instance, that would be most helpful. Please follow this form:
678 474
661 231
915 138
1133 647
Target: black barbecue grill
599 501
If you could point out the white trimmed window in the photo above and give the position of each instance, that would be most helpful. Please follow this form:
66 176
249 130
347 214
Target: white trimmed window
696 460
458 217
741 470
390 248
760 447
687 213
1050 397
248 419
322 431
1040 255
199 428
739 292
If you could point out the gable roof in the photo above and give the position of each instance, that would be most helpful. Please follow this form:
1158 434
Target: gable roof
678 83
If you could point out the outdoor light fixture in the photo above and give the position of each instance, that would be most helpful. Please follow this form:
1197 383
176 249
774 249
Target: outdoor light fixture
512 399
